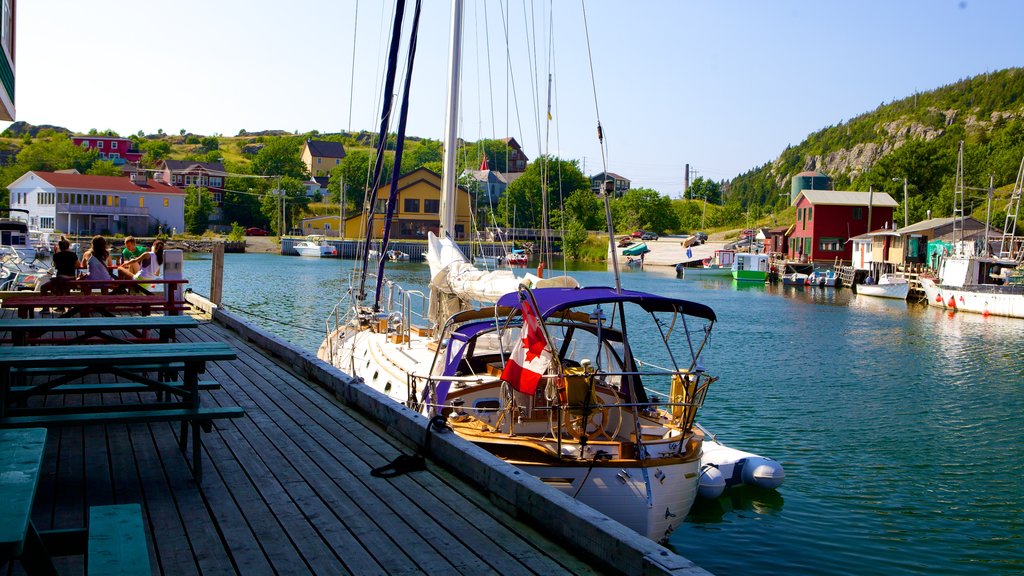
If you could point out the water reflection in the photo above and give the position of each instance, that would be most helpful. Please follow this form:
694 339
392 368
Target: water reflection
733 500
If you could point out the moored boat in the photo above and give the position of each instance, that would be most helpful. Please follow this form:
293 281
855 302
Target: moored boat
717 266
976 284
315 246
888 286
750 267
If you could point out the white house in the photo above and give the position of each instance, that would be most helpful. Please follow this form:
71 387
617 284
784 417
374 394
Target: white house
84 204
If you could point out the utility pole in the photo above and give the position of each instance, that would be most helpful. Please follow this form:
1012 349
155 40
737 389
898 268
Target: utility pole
906 206
988 209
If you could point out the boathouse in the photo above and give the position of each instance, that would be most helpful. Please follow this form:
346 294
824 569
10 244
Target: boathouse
912 245
826 219
419 201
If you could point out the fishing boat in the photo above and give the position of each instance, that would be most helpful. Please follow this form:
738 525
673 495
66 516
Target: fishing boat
717 266
315 246
888 286
822 279
795 279
972 281
750 267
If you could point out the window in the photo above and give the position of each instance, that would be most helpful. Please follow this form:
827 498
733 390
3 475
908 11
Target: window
113 145
431 206
85 143
319 160
99 144
810 213
110 200
45 222
142 201
167 202
382 206
412 205
337 161
858 212
830 244
113 155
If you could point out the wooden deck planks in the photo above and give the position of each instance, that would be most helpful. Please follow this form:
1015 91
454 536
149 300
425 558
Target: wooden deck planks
287 489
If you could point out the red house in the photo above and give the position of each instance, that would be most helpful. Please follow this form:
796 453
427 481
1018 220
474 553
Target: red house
119 150
826 219
517 159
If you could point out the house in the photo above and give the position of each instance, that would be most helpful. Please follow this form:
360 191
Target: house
491 184
825 219
7 32
621 182
85 204
117 150
419 200
775 238
912 247
185 173
320 157
516 160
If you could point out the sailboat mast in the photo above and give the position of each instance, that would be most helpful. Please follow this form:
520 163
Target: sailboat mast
451 129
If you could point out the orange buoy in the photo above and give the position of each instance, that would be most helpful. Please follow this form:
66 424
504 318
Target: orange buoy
985 313
952 302
938 298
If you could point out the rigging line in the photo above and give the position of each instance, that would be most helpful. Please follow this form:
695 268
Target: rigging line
352 79
515 94
490 80
268 318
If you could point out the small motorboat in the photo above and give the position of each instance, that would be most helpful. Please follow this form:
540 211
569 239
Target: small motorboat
795 279
722 467
826 279
517 257
315 246
636 249
887 287
396 256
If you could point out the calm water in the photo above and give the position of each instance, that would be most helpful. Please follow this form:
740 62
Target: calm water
899 426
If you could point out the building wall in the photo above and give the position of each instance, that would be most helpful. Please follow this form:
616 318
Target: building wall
419 187
8 13
318 165
821 231
107 147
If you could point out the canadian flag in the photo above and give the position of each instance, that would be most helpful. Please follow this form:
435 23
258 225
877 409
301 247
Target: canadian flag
530 357
483 164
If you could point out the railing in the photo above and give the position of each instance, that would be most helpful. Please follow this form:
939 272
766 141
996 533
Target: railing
109 210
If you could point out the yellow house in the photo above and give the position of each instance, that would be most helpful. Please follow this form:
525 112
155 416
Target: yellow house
321 157
419 197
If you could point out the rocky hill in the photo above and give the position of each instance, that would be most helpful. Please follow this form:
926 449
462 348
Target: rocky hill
916 137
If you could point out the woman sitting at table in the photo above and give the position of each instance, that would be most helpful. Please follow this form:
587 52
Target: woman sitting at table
66 263
97 260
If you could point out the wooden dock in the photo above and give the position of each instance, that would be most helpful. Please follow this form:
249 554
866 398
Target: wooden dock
287 489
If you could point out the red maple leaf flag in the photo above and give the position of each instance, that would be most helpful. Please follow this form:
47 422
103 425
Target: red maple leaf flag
483 165
530 356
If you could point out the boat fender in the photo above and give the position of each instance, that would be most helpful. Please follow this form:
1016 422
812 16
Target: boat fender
952 302
712 482
761 472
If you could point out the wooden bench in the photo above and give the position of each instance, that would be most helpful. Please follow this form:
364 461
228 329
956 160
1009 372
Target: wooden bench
68 364
29 330
85 305
117 542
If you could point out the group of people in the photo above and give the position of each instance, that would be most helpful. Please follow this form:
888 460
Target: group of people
136 262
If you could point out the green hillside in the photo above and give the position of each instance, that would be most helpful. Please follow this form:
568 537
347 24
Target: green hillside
917 138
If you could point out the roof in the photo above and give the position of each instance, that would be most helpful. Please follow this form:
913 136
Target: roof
325 149
874 233
778 230
186 165
553 300
512 143
813 173
611 175
934 223
104 183
843 198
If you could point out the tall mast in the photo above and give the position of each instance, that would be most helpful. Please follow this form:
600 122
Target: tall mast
958 203
451 128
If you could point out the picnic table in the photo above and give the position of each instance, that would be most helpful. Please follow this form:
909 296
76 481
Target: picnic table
31 330
30 371
115 539
105 297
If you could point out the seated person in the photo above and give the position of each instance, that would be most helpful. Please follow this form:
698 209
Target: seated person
147 266
131 252
97 260
66 263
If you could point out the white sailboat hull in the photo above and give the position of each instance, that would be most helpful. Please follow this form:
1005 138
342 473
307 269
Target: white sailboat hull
621 492
994 300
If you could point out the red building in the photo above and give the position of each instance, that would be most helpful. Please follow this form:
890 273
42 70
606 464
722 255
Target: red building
517 159
826 219
119 150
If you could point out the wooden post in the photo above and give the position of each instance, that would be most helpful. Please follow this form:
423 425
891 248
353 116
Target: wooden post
217 273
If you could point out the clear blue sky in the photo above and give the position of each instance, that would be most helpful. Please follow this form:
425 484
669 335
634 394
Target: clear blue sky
723 85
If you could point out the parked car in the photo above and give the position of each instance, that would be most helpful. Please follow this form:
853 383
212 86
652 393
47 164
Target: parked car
255 231
701 237
638 233
748 234
649 236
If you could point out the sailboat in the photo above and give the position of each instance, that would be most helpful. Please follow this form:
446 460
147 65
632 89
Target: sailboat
585 422
970 279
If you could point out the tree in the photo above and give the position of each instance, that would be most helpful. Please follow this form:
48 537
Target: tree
574 238
586 209
644 208
702 188
295 200
353 170
154 151
104 168
523 198
280 157
56 152
210 144
198 207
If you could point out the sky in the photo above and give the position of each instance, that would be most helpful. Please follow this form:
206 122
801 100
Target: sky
723 85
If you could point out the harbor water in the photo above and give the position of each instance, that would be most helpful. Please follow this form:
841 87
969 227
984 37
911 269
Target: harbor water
899 425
